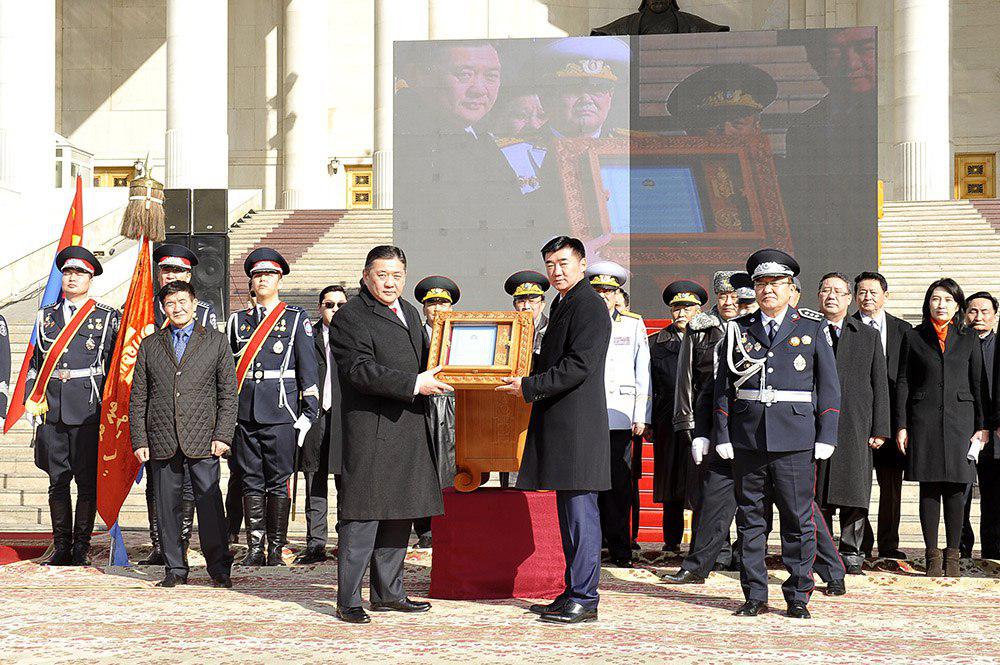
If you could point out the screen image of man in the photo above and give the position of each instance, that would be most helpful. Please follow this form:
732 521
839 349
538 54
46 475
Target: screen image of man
568 443
389 477
183 414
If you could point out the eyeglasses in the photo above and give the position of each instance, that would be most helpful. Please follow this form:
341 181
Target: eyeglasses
763 286
837 292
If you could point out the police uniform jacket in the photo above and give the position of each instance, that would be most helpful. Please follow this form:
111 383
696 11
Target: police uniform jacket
799 359
265 398
626 372
4 366
695 374
568 445
205 315
388 468
941 401
75 399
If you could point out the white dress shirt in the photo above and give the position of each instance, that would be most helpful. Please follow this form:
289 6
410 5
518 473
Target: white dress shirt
880 326
778 320
330 368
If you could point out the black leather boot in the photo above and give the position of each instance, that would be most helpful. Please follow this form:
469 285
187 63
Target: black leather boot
952 565
277 528
253 513
187 522
155 557
61 511
83 528
933 557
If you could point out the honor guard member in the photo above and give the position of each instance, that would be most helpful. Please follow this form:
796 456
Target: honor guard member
528 288
277 374
629 397
437 294
176 262
4 366
74 341
777 407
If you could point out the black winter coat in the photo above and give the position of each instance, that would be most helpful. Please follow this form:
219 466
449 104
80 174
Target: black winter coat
671 451
568 445
888 456
323 447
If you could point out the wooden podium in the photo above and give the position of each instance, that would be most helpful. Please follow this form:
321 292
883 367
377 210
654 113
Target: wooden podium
477 350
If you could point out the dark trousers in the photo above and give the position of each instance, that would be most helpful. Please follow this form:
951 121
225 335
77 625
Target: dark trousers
792 476
317 507
187 492
615 504
212 534
71 454
828 564
422 526
580 529
890 496
968 540
234 495
636 477
713 516
266 457
932 497
852 532
380 544
989 504
673 524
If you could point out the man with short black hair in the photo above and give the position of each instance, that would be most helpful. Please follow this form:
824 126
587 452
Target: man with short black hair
981 316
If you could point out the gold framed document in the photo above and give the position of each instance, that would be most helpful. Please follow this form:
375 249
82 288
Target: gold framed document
477 350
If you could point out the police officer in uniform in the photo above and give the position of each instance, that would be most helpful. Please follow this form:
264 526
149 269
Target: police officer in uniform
64 400
278 402
528 288
174 263
629 397
777 407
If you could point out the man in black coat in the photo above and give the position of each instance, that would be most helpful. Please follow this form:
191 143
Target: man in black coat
872 290
389 476
844 482
658 17
568 443
321 451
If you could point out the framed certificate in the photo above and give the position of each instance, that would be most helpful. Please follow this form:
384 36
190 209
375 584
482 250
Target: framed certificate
478 349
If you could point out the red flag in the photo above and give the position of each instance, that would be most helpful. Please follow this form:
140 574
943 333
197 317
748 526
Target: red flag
116 465
72 235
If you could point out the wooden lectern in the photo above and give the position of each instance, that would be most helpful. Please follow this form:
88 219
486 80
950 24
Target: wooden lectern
476 351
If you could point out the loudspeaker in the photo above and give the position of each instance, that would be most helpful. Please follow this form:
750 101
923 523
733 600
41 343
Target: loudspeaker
209 210
177 208
211 276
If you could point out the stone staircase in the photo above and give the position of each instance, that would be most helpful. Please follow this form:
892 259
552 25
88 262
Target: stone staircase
924 241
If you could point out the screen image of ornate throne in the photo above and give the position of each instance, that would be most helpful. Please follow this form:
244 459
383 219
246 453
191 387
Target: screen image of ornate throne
477 350
672 207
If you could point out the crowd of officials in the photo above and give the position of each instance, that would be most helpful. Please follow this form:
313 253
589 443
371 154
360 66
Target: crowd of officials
751 403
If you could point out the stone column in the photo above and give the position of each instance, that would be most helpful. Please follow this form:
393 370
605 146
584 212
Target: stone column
922 80
27 94
197 139
458 19
304 122
395 20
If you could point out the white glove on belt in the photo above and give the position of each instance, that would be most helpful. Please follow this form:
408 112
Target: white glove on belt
303 425
699 448
824 450
725 450
974 449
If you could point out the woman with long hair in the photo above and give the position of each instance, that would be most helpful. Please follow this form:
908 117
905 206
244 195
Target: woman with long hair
941 413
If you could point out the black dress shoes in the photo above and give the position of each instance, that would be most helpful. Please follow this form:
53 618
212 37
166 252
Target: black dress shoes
222 581
622 563
424 543
893 554
353 615
797 610
572 612
310 555
855 570
835 588
405 605
170 580
751 608
555 606
683 576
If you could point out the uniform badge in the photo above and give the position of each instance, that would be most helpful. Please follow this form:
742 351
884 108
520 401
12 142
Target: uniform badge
795 341
307 324
278 347
799 363
99 324
3 328
806 339
91 344
49 321
90 325
758 346
245 327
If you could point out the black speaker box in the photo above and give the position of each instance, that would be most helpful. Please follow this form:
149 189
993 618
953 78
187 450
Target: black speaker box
177 208
209 209
211 276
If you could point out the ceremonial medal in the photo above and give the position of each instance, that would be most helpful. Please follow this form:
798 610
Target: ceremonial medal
757 346
279 347
795 341
91 344
806 339
99 325
49 322
799 363
90 325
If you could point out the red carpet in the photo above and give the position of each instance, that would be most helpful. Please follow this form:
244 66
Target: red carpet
18 546
496 543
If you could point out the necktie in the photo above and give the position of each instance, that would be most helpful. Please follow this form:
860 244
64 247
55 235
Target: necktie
874 324
180 343
395 310
260 315
72 311
834 336
772 330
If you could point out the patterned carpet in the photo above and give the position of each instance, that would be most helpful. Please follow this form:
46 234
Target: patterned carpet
114 615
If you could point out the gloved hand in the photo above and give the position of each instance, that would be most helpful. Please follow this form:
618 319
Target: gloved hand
725 450
824 450
974 449
32 420
303 425
699 448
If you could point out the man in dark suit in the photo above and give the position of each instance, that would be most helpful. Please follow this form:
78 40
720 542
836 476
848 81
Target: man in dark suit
568 446
777 404
871 291
658 17
183 414
389 476
321 452
844 482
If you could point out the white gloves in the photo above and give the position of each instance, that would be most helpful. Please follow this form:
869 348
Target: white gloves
699 448
32 420
824 450
303 425
725 450
974 449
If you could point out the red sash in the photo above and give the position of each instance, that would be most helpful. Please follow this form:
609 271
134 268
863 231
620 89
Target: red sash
250 351
36 404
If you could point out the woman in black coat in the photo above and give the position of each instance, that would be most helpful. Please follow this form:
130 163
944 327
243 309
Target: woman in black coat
941 415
